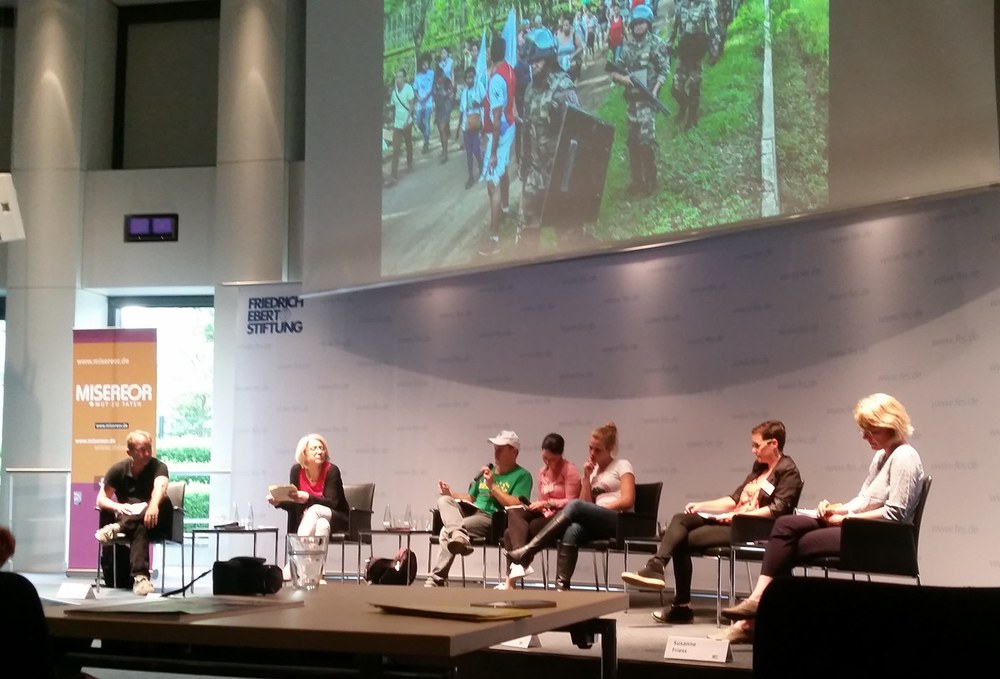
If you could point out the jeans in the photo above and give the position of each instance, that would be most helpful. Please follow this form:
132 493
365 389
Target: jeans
424 121
588 521
473 152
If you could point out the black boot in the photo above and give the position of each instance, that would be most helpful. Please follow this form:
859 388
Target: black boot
635 168
565 565
649 169
692 117
549 534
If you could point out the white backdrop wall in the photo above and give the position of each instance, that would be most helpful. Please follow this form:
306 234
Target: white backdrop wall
686 348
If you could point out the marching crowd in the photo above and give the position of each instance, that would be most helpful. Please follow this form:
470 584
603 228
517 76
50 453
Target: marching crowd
517 109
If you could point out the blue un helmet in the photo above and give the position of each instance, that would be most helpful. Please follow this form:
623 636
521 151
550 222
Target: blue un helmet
641 13
540 43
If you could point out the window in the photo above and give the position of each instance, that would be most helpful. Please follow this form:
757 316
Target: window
185 338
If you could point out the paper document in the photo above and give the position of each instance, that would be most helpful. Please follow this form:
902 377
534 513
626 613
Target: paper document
285 493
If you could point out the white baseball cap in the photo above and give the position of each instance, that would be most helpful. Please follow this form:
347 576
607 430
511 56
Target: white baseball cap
506 438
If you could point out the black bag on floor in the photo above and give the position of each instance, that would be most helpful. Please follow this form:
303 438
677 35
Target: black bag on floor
113 556
399 570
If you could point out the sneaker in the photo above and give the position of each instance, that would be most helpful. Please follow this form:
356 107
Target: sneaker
501 586
674 614
650 575
433 582
517 571
286 573
734 634
459 544
108 533
745 610
142 586
490 246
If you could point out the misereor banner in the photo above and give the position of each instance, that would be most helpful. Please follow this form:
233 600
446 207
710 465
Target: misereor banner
114 392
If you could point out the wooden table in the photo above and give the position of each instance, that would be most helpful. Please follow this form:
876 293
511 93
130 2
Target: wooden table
337 625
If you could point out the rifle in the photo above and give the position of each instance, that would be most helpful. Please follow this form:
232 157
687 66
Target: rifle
612 67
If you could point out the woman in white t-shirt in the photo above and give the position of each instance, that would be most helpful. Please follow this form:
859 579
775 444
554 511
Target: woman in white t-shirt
608 488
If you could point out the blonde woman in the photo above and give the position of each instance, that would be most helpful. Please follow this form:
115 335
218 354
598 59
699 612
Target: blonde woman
608 487
320 505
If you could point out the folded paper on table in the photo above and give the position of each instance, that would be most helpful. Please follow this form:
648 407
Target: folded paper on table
465 613
184 608
516 603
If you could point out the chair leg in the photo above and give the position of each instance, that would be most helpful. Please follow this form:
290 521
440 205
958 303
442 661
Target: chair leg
597 584
100 553
463 570
718 590
484 567
545 569
607 563
163 567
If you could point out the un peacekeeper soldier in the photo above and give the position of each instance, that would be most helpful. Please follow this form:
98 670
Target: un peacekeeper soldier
695 32
550 92
645 56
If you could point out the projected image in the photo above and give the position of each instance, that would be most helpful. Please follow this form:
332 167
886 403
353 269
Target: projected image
533 130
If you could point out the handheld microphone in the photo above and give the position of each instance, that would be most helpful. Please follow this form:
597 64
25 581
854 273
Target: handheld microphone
476 480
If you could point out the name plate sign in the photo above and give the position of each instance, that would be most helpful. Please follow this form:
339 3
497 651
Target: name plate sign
698 648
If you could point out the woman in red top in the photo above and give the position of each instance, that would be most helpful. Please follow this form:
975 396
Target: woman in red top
616 32
320 505
558 483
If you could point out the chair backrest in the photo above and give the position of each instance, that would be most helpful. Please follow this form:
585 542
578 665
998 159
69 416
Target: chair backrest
174 532
647 498
360 499
918 513
360 495
175 491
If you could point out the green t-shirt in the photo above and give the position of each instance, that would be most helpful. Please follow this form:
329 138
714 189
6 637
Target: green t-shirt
516 482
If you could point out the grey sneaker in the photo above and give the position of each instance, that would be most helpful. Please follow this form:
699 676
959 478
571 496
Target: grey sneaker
650 575
106 534
459 544
432 582
142 586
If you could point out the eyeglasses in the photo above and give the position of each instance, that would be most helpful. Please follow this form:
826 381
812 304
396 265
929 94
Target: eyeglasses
758 446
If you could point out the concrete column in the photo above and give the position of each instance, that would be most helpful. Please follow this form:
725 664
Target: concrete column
44 303
260 99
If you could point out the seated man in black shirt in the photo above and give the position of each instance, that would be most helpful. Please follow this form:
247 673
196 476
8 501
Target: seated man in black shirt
134 491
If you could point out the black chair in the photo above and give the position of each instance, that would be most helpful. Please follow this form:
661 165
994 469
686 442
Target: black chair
911 631
877 547
170 528
498 525
749 537
360 500
639 523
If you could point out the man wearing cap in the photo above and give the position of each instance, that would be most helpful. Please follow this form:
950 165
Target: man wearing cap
468 515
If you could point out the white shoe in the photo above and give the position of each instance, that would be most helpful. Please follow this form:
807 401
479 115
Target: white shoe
517 572
108 533
502 586
142 586
286 572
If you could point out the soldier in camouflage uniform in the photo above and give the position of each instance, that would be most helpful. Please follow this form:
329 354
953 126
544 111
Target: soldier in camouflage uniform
695 33
550 92
645 56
